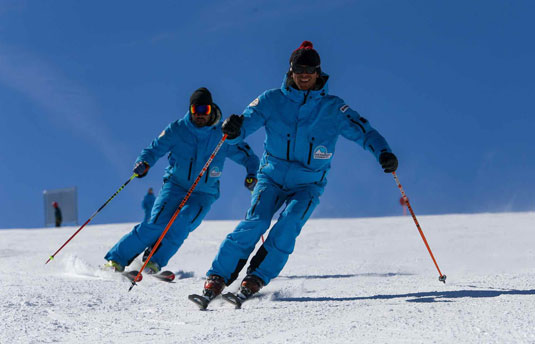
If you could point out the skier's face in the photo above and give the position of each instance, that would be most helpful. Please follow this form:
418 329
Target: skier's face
200 120
200 114
304 81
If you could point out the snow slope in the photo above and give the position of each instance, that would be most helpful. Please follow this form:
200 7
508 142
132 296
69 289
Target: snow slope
366 280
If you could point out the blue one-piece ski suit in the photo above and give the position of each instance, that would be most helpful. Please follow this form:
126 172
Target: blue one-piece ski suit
302 128
148 202
188 148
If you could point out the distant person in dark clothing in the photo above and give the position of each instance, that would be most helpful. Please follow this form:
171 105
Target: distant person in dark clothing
57 214
147 204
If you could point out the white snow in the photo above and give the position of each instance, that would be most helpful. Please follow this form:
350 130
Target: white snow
367 280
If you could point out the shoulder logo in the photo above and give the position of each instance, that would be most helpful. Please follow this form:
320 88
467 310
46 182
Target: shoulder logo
162 133
344 108
321 153
254 102
215 172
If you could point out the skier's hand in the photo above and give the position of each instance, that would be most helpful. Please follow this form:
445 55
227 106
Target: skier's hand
141 169
250 182
388 162
232 126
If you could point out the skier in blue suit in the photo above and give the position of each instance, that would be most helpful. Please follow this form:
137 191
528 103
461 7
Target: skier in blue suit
302 124
189 142
148 202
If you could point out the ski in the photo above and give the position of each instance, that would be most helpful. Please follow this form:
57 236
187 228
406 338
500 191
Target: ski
236 299
165 276
131 275
200 301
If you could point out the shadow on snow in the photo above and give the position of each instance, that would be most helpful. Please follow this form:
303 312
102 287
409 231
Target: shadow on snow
434 296
369 274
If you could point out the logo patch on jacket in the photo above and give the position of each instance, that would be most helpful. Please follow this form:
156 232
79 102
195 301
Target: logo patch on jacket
344 108
321 153
254 102
162 134
215 172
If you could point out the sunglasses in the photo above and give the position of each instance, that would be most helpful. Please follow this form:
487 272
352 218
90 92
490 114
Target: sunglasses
202 110
300 69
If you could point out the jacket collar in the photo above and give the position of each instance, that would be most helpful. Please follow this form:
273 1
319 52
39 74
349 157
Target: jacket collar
300 96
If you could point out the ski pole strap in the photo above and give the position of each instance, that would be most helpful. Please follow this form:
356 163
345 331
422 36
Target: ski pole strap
188 194
441 278
92 216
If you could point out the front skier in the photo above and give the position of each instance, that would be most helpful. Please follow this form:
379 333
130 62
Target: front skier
302 123
189 142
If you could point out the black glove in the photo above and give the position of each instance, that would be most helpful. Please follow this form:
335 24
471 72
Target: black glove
141 169
232 126
250 182
388 162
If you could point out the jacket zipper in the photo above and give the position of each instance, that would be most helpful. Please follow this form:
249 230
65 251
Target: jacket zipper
190 166
306 96
288 149
310 150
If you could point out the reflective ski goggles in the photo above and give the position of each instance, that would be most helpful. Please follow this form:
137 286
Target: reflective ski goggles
300 69
202 110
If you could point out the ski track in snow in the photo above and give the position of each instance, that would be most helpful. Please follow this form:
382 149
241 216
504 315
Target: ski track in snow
365 280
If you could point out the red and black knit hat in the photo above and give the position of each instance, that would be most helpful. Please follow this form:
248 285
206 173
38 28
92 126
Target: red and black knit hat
305 55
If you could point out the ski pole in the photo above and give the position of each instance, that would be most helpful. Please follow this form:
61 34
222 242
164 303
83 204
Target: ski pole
177 211
92 216
441 278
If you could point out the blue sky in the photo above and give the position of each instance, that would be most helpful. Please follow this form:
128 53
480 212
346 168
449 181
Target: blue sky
85 86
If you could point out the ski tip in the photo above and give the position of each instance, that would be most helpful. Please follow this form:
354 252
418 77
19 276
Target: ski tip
231 298
49 259
166 276
199 300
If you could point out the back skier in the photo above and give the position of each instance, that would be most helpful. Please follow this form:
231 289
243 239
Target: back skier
148 202
188 142
302 124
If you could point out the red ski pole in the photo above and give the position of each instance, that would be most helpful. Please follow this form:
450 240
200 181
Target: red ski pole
441 278
188 194
91 218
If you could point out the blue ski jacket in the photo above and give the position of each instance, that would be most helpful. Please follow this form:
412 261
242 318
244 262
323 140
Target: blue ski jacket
190 147
302 128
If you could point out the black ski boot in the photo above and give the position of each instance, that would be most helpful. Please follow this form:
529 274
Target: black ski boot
250 285
213 286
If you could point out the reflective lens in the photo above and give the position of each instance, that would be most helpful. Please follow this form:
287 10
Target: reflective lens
201 109
300 69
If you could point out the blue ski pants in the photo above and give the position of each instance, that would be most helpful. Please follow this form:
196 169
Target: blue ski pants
146 234
271 257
